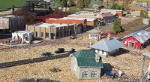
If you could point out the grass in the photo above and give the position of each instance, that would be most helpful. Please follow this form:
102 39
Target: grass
6 4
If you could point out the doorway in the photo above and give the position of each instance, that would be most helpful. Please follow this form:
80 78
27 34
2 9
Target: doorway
131 44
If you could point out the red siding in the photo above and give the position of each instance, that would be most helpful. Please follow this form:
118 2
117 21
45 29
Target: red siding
137 44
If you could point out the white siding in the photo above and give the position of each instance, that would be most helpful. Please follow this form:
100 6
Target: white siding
74 67
90 70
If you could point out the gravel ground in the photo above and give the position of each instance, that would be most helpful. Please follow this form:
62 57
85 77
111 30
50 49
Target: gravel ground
128 63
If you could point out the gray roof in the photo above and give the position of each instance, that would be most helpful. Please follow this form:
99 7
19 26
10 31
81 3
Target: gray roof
146 54
144 78
142 35
108 45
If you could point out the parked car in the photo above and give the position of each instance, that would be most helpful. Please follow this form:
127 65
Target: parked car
46 54
72 50
60 50
111 74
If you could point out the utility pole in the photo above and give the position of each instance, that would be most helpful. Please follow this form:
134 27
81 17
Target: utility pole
142 66
147 8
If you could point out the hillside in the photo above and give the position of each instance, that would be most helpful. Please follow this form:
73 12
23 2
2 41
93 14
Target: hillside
4 4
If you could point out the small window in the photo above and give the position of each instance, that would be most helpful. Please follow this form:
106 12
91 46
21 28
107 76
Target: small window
93 74
85 74
41 34
35 34
47 35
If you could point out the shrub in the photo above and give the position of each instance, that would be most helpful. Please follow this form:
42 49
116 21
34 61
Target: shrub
116 6
29 16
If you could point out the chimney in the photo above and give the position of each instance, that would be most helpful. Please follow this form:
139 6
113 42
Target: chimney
108 36
97 58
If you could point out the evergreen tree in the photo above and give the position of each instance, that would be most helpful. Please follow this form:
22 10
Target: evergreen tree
117 25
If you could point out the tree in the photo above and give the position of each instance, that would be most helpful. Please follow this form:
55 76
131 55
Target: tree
116 6
29 16
117 25
82 3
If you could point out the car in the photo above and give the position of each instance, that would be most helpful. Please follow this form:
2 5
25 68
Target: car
72 50
46 53
60 50
111 74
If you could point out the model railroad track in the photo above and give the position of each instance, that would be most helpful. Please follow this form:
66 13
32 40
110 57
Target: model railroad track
34 60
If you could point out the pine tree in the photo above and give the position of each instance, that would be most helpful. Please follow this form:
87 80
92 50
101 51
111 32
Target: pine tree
117 25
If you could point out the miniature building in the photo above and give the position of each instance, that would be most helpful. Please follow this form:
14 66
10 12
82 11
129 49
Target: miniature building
91 22
73 20
94 34
108 17
85 64
63 21
135 13
106 47
138 7
84 17
54 31
12 22
112 11
137 40
24 36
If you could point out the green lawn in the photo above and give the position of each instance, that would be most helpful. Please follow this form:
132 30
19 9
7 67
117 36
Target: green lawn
5 4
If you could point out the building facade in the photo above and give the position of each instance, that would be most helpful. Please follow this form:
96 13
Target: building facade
54 31
23 36
137 40
12 22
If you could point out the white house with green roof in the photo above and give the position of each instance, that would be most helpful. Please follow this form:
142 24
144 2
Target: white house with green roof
86 64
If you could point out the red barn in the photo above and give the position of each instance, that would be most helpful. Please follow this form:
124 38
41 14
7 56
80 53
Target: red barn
136 40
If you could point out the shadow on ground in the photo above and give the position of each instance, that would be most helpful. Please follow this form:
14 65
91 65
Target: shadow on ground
120 52
34 60
37 80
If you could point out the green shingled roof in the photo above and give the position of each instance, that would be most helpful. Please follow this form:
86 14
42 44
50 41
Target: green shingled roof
86 58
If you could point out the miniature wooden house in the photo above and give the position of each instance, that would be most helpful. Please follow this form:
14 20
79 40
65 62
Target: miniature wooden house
85 64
